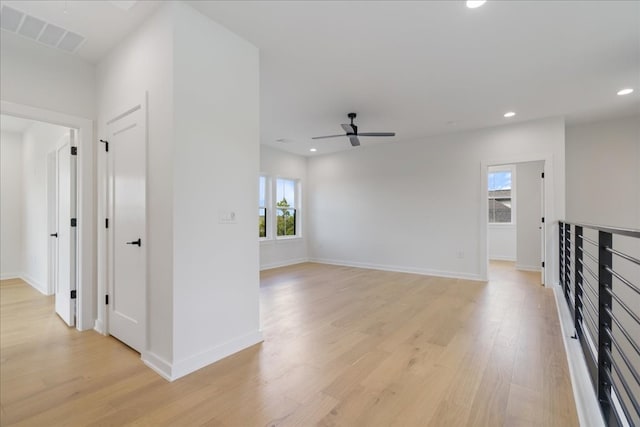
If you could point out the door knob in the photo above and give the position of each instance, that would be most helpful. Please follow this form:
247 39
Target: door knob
54 235
135 242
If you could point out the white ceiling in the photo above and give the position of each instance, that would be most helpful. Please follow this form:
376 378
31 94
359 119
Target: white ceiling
103 23
416 68
14 124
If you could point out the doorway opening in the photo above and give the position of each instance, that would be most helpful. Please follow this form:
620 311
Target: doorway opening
39 239
83 270
516 215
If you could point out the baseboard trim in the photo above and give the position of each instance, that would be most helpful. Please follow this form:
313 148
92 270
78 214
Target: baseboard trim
502 258
534 268
99 327
179 369
283 263
193 363
400 269
38 286
586 401
9 276
157 364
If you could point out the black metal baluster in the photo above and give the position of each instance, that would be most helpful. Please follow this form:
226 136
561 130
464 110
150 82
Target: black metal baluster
577 276
604 342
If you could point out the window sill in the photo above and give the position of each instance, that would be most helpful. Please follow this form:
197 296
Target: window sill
269 241
287 238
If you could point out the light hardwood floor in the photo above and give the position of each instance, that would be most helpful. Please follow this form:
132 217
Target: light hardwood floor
343 347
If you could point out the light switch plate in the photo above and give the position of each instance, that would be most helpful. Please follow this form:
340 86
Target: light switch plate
227 217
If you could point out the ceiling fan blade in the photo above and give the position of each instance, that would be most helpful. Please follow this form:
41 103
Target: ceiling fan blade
349 128
377 134
328 136
354 140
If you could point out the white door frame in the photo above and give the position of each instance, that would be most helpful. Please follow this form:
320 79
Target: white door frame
86 283
550 253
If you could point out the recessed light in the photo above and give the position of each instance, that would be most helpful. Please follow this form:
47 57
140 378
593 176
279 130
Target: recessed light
626 91
472 4
509 114
313 150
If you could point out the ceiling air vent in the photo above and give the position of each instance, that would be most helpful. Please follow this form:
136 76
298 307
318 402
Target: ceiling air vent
10 19
36 29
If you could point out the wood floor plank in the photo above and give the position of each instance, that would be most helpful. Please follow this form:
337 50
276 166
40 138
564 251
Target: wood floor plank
343 347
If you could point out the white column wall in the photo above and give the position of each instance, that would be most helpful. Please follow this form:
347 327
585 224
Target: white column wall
216 165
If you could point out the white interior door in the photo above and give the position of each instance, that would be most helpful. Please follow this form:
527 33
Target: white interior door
52 221
127 227
65 286
542 229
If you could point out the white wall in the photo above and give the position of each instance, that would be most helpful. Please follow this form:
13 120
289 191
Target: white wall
421 206
603 188
42 77
528 215
144 63
603 172
10 205
38 141
279 252
203 161
216 165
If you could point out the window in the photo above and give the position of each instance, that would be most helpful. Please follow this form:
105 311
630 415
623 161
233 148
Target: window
500 196
286 207
262 208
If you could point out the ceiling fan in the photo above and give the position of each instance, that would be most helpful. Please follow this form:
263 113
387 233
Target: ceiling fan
352 132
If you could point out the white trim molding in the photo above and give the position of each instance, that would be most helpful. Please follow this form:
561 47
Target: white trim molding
283 263
401 269
586 401
180 368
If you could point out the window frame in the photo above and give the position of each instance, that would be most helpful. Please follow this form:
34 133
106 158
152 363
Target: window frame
297 188
503 168
266 207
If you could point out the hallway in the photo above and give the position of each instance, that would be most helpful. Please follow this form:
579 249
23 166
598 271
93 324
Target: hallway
343 346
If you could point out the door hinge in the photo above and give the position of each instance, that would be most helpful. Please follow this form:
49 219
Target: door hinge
106 145
74 151
542 264
542 174
73 222
542 219
106 299
106 223
73 294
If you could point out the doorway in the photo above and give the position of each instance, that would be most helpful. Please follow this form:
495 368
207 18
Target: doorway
85 221
39 198
516 215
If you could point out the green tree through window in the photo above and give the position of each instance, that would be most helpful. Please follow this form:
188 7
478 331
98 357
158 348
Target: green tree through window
286 223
